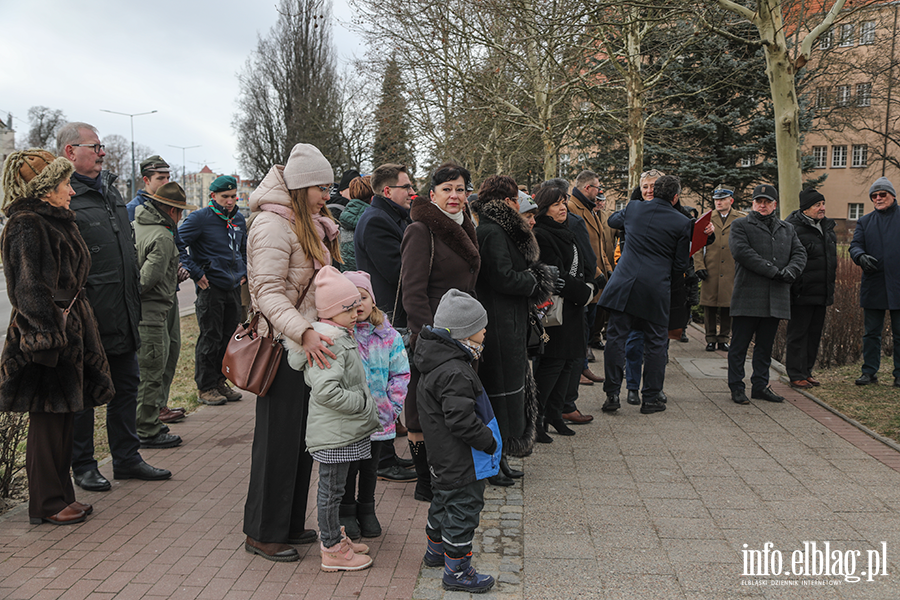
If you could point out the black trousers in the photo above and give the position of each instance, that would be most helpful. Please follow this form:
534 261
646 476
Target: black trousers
618 328
743 330
280 466
454 515
218 314
121 426
804 332
552 378
366 469
48 454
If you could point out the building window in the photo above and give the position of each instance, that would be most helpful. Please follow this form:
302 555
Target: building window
854 211
826 40
867 32
822 97
863 94
843 95
747 162
860 155
820 154
838 156
846 35
620 204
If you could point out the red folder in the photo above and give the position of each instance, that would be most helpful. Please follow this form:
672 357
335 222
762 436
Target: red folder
699 238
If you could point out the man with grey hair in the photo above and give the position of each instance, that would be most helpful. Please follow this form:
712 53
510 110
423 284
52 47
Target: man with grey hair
113 289
875 247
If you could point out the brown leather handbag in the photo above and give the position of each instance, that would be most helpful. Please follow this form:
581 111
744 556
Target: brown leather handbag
251 361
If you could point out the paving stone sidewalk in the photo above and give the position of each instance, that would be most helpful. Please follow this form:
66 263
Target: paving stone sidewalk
632 507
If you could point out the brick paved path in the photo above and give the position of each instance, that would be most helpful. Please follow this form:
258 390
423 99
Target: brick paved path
632 507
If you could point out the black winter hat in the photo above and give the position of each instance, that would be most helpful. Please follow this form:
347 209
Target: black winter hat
346 178
810 197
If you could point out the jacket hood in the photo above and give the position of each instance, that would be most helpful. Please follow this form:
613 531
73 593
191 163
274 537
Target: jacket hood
434 347
147 214
272 190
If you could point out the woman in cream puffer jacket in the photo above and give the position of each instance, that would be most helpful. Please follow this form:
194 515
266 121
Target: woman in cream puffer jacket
291 236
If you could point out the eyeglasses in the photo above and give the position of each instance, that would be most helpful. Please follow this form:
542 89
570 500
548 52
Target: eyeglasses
879 195
651 173
408 187
97 147
587 187
326 189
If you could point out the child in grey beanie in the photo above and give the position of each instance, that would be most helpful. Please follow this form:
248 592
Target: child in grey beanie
460 314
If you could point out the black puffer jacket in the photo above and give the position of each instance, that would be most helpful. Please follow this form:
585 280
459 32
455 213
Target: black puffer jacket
461 432
113 285
816 285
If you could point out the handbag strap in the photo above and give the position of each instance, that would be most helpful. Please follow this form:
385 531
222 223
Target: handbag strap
71 304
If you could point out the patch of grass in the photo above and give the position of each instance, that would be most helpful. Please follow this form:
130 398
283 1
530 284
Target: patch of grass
876 406
184 390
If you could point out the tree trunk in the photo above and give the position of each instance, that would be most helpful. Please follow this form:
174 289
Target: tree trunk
780 69
634 90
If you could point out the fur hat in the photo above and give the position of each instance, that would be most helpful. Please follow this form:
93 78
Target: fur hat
33 173
334 293
882 184
307 167
810 197
460 314
363 280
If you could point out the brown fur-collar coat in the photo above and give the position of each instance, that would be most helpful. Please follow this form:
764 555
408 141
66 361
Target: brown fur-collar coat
44 366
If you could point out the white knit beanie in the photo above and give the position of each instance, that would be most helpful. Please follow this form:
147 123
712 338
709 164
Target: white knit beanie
307 167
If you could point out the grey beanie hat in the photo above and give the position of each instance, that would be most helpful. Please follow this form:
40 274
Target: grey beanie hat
307 167
460 314
882 184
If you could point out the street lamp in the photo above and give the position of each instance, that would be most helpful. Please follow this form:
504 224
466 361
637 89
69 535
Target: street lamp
183 163
132 116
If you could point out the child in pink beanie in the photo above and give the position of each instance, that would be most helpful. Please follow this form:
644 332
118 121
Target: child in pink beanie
342 414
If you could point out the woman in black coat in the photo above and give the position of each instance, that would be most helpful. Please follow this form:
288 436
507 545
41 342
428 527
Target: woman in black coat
53 363
564 351
511 279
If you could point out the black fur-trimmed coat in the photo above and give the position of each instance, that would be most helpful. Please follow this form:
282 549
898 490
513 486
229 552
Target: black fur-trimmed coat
511 279
43 367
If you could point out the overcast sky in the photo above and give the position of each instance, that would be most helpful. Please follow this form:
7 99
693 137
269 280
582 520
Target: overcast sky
179 58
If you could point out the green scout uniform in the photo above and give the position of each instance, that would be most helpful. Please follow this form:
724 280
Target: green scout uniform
160 338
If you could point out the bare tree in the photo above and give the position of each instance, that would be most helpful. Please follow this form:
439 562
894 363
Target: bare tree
289 91
782 64
44 123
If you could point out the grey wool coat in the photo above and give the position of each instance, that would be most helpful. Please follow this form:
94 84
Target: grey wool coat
758 256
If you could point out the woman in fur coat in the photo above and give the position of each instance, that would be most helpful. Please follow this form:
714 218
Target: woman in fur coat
512 278
53 363
439 252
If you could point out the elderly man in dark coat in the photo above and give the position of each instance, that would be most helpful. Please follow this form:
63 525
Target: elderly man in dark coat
813 291
875 248
637 295
768 259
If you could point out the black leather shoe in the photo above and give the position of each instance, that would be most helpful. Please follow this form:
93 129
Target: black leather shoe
308 536
866 379
501 480
406 463
711 347
396 473
92 481
597 345
724 346
142 471
654 405
612 403
739 397
662 397
543 438
633 398
161 440
767 394
561 428
509 471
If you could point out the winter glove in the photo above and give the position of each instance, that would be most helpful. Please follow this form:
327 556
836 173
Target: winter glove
553 271
785 275
703 274
600 281
868 263
559 285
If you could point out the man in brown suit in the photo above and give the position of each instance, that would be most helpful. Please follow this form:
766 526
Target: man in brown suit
583 203
715 267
